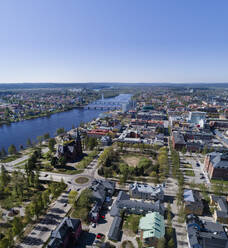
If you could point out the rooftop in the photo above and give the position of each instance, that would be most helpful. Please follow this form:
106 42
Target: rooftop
152 225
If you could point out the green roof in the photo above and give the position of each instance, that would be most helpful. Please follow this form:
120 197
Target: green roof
152 225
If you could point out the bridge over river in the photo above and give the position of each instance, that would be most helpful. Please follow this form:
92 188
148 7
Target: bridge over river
121 102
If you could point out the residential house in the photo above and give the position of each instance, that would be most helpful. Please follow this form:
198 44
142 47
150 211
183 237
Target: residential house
192 202
68 232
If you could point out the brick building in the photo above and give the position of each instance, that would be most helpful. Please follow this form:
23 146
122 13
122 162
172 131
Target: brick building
216 165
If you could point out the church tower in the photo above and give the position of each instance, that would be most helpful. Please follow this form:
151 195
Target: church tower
78 144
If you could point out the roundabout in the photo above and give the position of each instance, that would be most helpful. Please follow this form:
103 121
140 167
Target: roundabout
82 180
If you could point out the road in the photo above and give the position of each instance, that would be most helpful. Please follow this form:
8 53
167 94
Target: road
42 230
57 210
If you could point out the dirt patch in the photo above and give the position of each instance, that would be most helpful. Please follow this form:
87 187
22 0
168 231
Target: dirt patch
131 160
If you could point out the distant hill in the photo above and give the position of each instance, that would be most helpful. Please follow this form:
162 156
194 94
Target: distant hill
102 85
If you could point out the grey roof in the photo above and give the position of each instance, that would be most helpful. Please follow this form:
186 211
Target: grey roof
219 160
53 243
100 188
178 138
123 202
58 235
64 227
222 210
145 188
114 231
204 234
191 195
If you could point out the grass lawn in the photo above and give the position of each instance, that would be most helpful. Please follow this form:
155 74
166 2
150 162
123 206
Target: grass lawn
10 158
188 166
215 181
189 173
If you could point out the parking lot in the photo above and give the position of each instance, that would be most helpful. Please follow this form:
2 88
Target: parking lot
102 227
197 168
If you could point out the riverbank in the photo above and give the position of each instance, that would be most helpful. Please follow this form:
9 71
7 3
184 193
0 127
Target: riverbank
18 133
47 114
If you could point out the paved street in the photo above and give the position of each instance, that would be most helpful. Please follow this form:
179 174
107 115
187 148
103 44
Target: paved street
42 230
58 210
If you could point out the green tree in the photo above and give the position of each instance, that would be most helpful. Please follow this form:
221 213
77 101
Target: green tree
60 130
40 139
45 198
29 143
4 243
144 162
132 223
37 180
17 226
204 191
51 144
3 152
62 161
37 153
72 196
28 215
205 150
92 143
12 149
30 166
34 209
46 136
85 199
161 243
4 177
54 161
171 243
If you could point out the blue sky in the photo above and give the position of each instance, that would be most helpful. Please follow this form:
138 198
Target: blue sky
113 41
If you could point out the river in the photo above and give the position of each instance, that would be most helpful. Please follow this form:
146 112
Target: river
19 132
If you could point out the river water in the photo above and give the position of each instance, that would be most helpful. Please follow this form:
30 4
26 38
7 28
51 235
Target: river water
19 132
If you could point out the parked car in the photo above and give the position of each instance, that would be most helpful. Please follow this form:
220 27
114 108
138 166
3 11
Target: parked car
197 164
94 225
100 236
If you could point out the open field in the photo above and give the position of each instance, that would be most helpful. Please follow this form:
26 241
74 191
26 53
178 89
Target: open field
131 160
